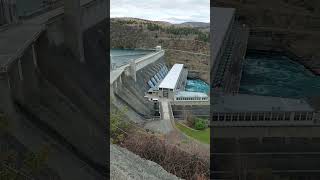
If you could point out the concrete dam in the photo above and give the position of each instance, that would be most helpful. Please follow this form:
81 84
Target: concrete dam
52 79
130 88
136 85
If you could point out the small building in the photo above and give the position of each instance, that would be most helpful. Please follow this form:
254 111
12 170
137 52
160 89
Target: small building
174 81
158 48
191 96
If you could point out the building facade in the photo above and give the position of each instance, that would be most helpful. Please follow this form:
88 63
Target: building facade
252 110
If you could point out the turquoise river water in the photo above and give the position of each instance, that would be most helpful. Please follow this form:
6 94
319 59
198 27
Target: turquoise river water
276 75
197 85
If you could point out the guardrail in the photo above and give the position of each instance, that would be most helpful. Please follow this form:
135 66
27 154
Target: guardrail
173 123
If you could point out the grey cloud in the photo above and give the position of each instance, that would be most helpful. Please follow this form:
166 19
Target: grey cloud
175 11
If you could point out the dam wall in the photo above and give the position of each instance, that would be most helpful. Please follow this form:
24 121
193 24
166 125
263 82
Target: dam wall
132 91
76 92
51 88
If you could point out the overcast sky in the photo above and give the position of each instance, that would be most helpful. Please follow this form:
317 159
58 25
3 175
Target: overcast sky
174 11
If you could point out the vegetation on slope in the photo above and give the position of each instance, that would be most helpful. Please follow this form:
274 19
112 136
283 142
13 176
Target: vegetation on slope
201 135
152 147
17 162
198 33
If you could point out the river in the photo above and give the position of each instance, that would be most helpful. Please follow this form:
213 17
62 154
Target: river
276 75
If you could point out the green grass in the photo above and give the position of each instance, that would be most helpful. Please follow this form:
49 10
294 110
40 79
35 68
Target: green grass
203 135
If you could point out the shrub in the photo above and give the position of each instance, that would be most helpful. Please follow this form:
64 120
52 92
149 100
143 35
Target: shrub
173 159
200 124
118 125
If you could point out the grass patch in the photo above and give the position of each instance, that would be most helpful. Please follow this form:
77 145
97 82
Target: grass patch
201 135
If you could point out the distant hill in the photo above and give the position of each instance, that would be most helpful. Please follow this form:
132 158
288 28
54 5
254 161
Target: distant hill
196 24
165 23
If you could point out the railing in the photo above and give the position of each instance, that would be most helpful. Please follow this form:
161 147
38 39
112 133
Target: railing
160 110
173 123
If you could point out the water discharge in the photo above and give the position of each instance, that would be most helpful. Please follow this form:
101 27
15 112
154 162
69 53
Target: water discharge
276 75
197 85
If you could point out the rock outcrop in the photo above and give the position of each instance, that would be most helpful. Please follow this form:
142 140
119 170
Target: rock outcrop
125 165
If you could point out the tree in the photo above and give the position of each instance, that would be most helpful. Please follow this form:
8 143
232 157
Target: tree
117 124
200 124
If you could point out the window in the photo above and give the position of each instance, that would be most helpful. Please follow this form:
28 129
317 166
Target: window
303 116
215 117
248 116
287 116
261 116
241 117
296 116
235 117
228 117
254 117
221 117
274 116
267 116
310 116
280 116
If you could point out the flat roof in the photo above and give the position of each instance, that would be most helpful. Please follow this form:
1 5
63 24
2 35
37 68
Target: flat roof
221 19
254 103
172 77
190 94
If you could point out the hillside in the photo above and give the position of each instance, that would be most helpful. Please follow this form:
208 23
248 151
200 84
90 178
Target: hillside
188 45
196 24
288 25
